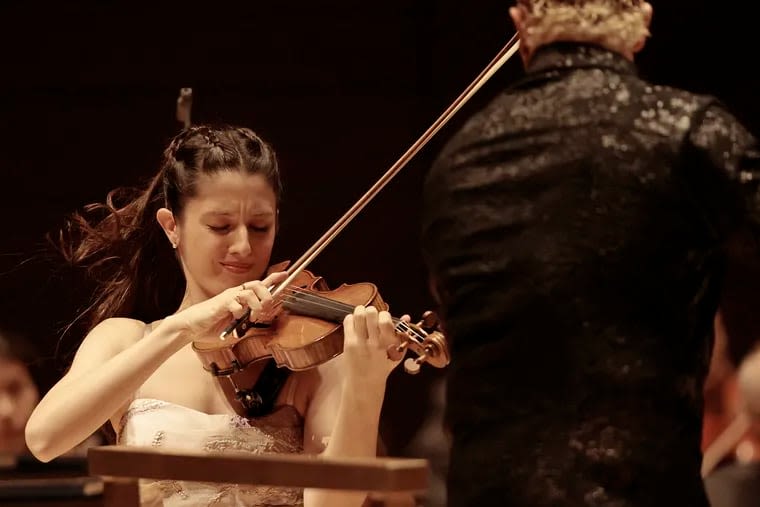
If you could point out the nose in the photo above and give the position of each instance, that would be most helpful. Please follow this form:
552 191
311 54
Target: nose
241 242
6 406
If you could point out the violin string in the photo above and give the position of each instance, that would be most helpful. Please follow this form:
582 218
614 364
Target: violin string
331 304
326 303
280 300
316 301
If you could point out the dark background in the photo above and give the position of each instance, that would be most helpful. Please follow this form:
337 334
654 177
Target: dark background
341 89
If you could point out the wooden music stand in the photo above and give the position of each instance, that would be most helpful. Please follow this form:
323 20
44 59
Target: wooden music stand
122 466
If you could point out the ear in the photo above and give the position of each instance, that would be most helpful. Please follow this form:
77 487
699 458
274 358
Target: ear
518 15
646 9
166 219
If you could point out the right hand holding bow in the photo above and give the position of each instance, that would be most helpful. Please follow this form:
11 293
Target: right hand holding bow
208 318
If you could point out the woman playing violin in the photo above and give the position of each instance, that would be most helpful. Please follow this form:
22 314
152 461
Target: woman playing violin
175 266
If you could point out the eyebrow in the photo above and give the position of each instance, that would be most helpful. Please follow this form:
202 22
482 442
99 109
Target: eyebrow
230 213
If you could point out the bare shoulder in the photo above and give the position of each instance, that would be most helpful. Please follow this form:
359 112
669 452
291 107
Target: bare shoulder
119 330
107 339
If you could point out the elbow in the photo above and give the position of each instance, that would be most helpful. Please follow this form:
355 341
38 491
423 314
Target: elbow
39 442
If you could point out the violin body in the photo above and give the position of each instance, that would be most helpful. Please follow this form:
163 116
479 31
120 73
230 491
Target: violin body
304 341
302 333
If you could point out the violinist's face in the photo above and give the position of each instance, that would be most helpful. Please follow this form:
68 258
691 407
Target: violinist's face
225 233
18 397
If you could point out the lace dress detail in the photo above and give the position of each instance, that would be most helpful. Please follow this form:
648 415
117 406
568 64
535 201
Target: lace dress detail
149 422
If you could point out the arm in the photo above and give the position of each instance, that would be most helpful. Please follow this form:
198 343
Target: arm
722 173
719 388
344 413
114 360
737 430
110 365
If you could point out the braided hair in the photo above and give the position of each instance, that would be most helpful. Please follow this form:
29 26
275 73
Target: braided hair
120 243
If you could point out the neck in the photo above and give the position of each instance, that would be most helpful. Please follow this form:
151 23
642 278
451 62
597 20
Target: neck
193 295
527 52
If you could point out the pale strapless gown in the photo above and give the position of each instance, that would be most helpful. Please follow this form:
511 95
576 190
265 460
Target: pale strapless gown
157 423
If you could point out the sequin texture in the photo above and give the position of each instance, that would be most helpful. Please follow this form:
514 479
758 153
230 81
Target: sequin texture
573 230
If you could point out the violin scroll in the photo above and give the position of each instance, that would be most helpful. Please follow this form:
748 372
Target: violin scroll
426 341
184 106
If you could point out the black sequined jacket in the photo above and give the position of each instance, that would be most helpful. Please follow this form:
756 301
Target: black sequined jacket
574 233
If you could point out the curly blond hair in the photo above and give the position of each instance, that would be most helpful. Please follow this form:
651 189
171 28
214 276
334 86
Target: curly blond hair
615 24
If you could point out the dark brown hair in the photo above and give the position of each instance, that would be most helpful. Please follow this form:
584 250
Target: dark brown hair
120 243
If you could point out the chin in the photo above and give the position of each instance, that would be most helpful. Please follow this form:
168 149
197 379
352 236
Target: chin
216 287
224 279
227 280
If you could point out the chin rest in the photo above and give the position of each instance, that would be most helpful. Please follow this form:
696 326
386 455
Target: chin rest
122 466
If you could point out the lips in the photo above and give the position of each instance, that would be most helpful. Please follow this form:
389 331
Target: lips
237 267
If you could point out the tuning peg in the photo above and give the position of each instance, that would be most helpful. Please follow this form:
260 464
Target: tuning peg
396 352
429 320
412 366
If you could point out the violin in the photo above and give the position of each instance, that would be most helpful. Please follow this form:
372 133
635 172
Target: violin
305 329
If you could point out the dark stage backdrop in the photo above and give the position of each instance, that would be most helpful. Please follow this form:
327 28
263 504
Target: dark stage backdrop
341 88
